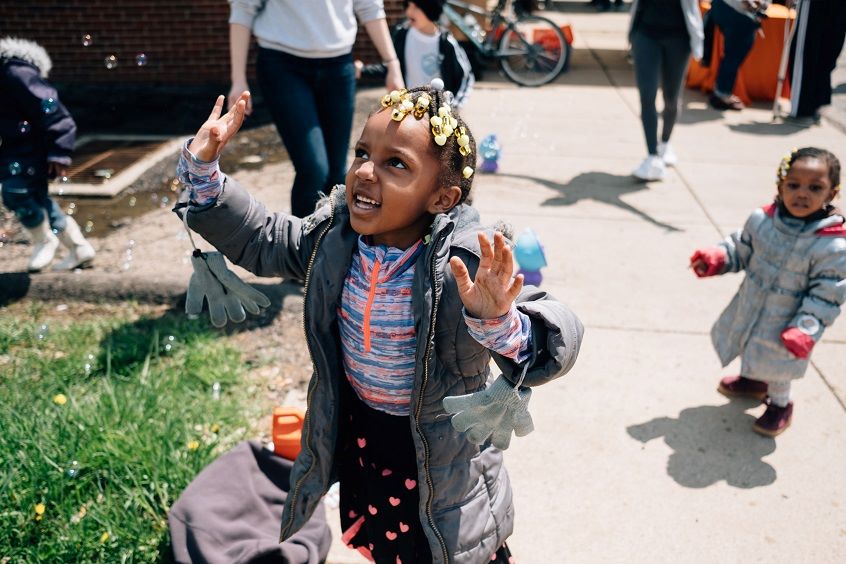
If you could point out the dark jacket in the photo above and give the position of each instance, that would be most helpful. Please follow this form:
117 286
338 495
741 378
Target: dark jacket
49 132
465 497
453 62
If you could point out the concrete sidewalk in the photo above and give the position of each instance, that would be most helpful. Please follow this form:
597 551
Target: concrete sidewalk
635 456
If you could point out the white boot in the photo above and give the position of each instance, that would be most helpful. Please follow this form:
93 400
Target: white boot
44 245
80 251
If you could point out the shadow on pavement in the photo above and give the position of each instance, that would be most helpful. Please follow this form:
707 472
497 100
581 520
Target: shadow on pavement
712 444
767 128
600 187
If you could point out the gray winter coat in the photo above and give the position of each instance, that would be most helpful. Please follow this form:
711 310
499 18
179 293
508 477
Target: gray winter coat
795 277
465 497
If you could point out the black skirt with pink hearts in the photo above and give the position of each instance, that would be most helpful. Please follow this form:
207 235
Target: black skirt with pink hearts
377 469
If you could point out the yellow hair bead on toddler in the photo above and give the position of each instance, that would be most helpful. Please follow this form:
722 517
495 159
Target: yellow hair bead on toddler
467 172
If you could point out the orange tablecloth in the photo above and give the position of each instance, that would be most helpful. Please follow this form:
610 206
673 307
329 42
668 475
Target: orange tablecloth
758 75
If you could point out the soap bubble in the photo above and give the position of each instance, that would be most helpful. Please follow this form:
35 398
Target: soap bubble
15 168
89 364
140 59
87 40
216 391
42 332
89 226
72 471
30 171
111 62
169 343
132 201
49 106
23 127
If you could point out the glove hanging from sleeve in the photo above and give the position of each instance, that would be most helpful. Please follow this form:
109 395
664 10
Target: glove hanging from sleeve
493 412
227 295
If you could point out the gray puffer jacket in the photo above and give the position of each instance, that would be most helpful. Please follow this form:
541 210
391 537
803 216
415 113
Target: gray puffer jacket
795 277
465 497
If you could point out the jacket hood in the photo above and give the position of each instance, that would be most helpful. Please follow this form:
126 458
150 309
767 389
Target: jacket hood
26 50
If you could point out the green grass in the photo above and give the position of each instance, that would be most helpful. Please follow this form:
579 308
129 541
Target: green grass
139 422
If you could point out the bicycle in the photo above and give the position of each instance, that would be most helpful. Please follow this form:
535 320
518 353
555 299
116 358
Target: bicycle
530 50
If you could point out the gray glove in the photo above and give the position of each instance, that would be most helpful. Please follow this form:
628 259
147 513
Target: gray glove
226 294
493 412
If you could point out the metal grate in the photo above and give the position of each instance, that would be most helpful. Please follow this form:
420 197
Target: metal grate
98 160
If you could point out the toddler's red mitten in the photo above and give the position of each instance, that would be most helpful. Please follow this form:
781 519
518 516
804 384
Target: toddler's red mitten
797 342
708 262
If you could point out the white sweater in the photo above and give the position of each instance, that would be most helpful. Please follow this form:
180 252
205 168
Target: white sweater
306 28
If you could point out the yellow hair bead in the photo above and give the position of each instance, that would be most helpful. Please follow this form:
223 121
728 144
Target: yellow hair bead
467 172
440 140
465 151
447 130
443 111
395 96
464 140
436 121
397 114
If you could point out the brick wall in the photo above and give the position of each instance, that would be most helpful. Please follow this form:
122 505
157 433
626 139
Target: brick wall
185 42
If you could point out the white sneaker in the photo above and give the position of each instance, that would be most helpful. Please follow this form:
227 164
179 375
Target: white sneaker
665 151
652 168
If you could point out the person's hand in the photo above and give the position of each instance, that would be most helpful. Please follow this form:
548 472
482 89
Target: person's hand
797 342
56 170
217 131
708 262
494 290
235 92
394 81
358 66
493 412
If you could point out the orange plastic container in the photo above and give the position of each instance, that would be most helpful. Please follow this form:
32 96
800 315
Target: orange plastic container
287 430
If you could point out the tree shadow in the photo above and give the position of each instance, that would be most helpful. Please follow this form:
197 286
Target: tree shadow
129 345
768 128
712 444
600 187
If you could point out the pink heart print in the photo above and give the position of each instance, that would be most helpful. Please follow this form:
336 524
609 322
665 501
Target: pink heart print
387 472
361 443
409 484
372 510
403 527
394 501
353 514
390 535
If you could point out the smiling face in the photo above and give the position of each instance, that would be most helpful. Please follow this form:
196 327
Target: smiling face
392 189
806 188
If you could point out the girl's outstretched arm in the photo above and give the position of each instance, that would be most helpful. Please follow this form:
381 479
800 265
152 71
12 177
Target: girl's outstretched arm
217 130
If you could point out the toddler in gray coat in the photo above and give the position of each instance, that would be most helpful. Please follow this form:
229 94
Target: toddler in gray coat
794 255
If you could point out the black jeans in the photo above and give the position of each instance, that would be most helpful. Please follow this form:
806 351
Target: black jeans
659 61
312 103
739 33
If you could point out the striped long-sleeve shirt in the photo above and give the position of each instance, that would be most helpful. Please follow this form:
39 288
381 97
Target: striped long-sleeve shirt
378 338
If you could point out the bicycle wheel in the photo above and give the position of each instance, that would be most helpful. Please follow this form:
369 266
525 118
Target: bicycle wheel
532 51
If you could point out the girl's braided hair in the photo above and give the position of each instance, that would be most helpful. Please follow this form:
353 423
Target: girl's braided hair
454 163
827 157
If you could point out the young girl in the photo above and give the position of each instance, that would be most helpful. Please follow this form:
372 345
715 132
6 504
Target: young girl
794 253
406 301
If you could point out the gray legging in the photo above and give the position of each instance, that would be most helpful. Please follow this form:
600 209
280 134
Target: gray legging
661 60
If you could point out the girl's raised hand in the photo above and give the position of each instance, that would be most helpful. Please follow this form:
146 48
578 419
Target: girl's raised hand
218 130
493 291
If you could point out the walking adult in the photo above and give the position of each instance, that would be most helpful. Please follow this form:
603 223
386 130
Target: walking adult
306 75
819 40
663 34
738 21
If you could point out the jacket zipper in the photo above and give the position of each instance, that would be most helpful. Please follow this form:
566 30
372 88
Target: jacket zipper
418 407
307 422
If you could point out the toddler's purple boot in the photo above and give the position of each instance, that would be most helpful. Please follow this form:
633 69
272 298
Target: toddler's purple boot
774 420
742 387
